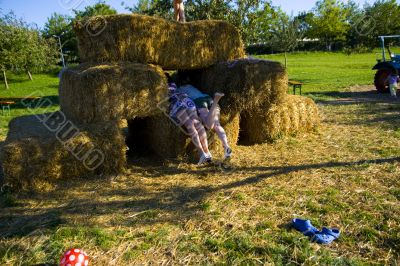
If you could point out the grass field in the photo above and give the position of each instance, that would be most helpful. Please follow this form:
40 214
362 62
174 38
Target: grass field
324 73
20 86
345 175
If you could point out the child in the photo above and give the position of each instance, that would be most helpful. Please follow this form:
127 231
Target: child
393 80
183 111
179 11
208 110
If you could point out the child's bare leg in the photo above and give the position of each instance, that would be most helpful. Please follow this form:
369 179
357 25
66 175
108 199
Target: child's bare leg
224 139
214 110
182 12
176 10
221 134
202 135
200 129
210 116
185 120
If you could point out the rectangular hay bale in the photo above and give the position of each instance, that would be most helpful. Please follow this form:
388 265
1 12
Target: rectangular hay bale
154 40
95 93
247 83
42 149
295 114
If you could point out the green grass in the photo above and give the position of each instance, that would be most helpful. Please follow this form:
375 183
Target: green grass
20 86
326 72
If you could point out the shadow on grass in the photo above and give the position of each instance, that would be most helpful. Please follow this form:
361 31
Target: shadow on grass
371 108
178 202
17 79
45 101
354 97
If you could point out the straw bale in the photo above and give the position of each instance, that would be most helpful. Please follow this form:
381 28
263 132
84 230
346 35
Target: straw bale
166 139
96 93
42 149
247 83
153 40
295 114
230 122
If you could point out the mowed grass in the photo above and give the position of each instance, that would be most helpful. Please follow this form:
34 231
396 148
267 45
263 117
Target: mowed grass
344 175
325 73
43 85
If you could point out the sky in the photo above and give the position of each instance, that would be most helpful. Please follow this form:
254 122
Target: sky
37 11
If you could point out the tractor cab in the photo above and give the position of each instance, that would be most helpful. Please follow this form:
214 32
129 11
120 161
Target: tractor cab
386 66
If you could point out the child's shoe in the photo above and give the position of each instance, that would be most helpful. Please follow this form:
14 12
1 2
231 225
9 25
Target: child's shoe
228 153
205 158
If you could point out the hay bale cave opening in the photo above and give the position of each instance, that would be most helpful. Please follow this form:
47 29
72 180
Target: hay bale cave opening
157 136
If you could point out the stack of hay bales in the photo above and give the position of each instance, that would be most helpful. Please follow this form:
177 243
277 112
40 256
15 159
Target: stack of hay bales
42 148
121 77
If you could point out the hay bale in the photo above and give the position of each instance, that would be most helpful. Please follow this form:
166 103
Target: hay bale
166 139
169 141
95 93
247 83
153 40
230 122
42 149
295 114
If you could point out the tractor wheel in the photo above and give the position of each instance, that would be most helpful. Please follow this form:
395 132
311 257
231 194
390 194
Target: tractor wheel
380 80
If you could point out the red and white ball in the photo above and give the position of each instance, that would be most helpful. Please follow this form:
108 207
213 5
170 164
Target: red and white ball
74 257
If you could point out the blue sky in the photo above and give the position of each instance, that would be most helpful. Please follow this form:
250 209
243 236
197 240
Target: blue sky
37 11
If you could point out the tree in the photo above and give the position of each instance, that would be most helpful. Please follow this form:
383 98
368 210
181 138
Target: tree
161 8
98 9
286 34
249 15
12 41
22 48
384 16
61 26
329 22
246 15
208 9
37 53
358 25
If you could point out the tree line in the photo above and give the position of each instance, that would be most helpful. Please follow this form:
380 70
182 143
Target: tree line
330 25
26 48
265 28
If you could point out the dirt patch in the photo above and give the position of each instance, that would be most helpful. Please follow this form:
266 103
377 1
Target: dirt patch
360 94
